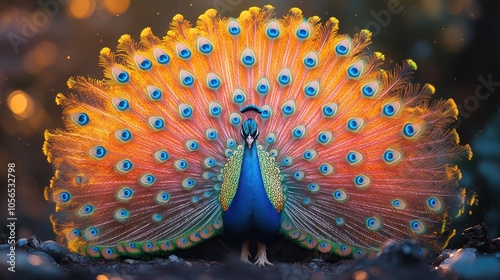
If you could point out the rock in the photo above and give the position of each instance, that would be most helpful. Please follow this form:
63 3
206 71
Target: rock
21 243
36 265
34 242
129 261
43 258
464 256
54 249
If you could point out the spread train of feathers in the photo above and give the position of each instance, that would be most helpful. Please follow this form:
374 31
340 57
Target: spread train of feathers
350 155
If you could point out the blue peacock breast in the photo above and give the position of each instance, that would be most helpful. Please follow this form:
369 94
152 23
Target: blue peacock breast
251 213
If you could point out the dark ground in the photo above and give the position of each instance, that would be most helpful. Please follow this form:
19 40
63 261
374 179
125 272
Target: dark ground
479 259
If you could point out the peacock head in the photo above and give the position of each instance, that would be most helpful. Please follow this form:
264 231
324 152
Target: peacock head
249 129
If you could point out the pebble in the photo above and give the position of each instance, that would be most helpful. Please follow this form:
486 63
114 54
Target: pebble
54 249
23 242
468 265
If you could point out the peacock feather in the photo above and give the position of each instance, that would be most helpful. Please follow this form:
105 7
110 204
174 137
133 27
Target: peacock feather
252 127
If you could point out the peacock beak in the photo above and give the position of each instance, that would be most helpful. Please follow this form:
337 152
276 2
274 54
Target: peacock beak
249 140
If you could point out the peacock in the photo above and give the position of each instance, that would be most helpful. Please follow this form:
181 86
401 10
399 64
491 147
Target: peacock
255 128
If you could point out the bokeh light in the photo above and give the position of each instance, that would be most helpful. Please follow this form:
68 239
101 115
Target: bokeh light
82 9
40 57
21 104
116 7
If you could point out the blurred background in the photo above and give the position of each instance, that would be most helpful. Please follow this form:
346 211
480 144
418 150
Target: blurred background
455 44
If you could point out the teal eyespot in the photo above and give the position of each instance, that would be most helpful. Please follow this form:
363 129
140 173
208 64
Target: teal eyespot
192 145
181 165
214 109
233 27
186 78
91 233
326 169
204 45
313 187
354 157
147 180
213 81
303 31
354 71
361 181
398 204
125 194
80 119
298 132
288 108
262 86
390 109
64 196
123 135
410 130
248 58
325 137
97 152
183 51
310 60
161 56
370 90
211 134
121 215
373 223
142 62
434 204
311 89
235 119
86 210
271 138
339 195
188 183
298 175
391 156
343 47
157 123
273 30
417 226
310 154
288 160
120 104
154 93
239 96
355 124
329 110
120 75
267 112
185 111
209 162
162 197
284 77
124 166
161 155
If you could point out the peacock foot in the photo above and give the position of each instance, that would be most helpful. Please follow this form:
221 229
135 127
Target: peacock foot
261 257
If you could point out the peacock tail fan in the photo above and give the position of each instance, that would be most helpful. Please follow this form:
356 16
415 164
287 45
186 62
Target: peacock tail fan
351 155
